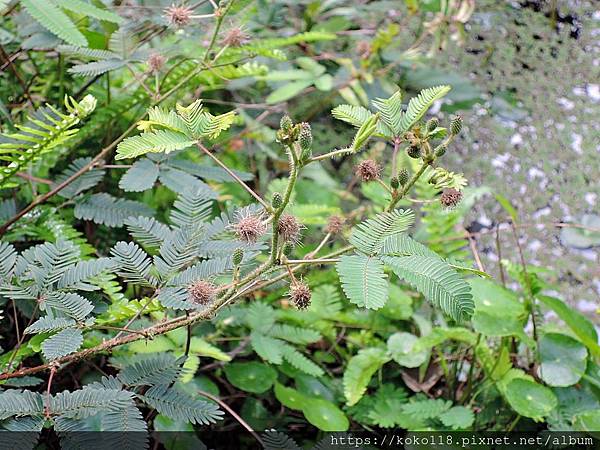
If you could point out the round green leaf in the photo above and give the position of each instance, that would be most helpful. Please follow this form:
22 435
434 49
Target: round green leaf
529 398
588 421
458 417
400 346
289 397
325 415
564 359
251 376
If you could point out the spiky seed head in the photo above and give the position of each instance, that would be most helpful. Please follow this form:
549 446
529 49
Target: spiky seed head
235 37
441 150
277 200
450 197
403 176
155 62
289 228
305 140
250 227
414 151
432 124
335 225
300 295
178 16
394 183
368 170
202 292
286 123
238 256
287 248
456 125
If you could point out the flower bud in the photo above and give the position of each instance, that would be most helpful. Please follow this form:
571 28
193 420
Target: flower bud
300 295
414 151
277 200
305 140
286 123
456 125
238 256
441 150
432 124
403 176
368 170
394 183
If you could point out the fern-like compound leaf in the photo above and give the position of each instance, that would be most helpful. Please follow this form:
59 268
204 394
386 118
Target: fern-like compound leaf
391 111
79 275
155 369
300 362
402 244
88 402
62 343
81 7
132 262
49 324
363 280
193 206
14 403
268 348
69 303
54 20
418 106
179 406
147 231
368 236
275 440
87 180
359 371
140 177
105 209
166 141
8 258
437 281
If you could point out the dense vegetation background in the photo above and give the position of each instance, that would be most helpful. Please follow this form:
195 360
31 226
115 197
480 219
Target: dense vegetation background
306 216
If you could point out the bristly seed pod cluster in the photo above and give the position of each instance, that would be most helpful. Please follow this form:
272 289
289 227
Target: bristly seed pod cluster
235 37
250 227
202 292
403 176
237 257
300 295
368 170
155 62
450 197
456 125
335 225
289 228
178 16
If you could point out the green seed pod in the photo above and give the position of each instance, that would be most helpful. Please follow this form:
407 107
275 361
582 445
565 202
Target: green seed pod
287 248
403 176
277 200
394 183
432 124
238 256
286 123
456 125
441 150
306 139
414 151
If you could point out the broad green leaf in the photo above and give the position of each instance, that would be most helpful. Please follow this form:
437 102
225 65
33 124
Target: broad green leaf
458 418
290 397
288 91
530 399
251 376
359 371
401 347
563 359
325 415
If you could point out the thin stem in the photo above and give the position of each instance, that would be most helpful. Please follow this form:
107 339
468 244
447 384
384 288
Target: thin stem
395 157
313 261
235 177
220 16
47 411
319 247
408 185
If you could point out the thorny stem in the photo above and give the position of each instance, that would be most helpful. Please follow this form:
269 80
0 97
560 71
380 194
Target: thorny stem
220 16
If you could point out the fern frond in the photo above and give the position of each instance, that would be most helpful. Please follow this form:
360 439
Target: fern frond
86 52
50 261
123 421
295 335
178 250
437 281
159 118
418 106
202 271
368 236
300 362
391 111
268 348
155 369
357 116
363 280
48 15
42 133
62 343
166 141
402 244
88 402
105 209
201 124
95 68
178 406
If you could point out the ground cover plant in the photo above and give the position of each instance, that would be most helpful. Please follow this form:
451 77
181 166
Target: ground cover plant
247 215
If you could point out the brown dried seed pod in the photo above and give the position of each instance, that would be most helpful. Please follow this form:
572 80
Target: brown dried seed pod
450 197
202 292
335 225
300 295
289 228
368 170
